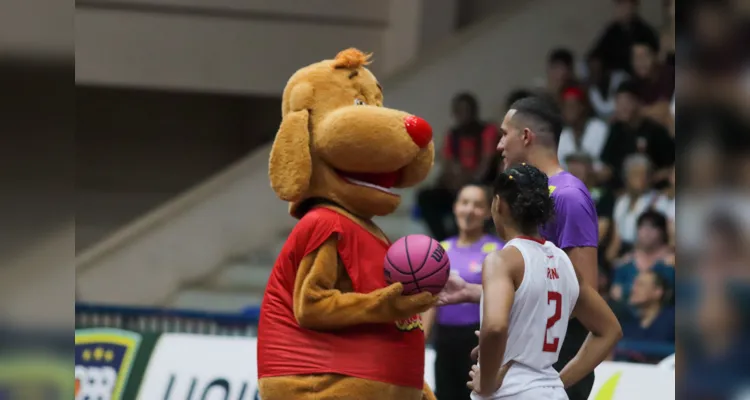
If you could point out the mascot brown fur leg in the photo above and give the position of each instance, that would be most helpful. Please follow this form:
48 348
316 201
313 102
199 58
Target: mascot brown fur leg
427 393
333 387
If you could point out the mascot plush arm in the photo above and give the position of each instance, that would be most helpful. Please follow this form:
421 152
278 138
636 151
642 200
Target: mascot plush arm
319 304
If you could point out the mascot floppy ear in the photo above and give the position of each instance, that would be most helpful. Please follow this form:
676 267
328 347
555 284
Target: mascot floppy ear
290 166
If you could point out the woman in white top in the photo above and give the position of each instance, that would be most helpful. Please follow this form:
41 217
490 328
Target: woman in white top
529 291
665 204
638 197
582 132
603 84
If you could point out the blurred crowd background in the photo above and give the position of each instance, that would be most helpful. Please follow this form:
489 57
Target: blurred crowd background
175 104
617 100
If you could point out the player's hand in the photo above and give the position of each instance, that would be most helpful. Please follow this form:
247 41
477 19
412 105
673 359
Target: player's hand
408 306
475 385
454 291
475 351
475 354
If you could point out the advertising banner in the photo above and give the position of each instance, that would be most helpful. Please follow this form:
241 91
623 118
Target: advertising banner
620 380
197 367
103 360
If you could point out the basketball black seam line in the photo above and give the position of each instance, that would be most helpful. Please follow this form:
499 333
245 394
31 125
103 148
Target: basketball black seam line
433 286
447 261
408 260
435 271
387 258
426 254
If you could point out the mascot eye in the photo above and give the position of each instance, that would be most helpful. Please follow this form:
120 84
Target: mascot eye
359 102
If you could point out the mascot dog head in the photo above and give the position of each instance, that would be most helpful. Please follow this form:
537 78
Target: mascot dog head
337 141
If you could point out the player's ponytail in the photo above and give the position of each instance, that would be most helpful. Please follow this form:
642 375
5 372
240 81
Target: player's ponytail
526 190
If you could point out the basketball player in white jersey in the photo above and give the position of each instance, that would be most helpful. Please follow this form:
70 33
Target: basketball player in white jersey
529 292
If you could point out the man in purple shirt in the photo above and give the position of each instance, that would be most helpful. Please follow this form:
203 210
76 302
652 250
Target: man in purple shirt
530 134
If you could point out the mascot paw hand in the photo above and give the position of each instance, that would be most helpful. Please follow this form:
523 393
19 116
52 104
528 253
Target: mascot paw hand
407 306
392 291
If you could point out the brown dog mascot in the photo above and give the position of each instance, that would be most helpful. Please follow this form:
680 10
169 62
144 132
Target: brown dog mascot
330 328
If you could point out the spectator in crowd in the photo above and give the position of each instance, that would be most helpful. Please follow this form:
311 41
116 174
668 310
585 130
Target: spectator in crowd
454 325
468 153
583 132
560 72
632 132
618 37
602 86
653 318
654 81
717 48
668 44
703 170
714 324
726 245
665 204
651 253
638 198
667 37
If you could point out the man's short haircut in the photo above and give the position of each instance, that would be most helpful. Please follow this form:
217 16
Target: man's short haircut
657 220
544 118
516 95
562 56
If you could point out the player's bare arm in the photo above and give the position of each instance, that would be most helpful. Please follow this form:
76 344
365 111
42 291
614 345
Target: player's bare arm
457 291
473 293
585 261
605 331
502 272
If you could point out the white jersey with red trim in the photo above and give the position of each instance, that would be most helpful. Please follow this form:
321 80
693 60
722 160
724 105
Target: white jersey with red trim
539 317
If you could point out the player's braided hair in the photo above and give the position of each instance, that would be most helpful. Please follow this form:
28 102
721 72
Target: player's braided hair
526 190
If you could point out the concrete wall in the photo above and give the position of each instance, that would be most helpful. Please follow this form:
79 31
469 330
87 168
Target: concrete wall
38 29
36 288
148 261
136 149
241 46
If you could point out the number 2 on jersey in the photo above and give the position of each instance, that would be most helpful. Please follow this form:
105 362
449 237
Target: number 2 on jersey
551 344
